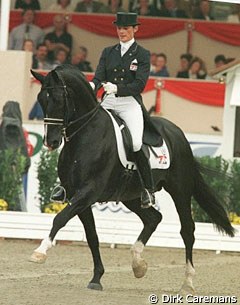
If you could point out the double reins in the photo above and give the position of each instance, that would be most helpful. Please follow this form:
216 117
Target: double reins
66 126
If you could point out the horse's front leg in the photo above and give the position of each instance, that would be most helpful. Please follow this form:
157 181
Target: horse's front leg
40 254
88 222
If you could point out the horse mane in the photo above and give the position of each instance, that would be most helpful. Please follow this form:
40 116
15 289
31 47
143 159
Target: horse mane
75 79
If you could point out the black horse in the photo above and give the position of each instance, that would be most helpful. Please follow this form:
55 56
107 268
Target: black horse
89 170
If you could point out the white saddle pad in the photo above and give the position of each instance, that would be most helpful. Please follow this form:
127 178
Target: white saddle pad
162 161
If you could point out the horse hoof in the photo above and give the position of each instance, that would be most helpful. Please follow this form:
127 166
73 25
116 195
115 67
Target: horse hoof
95 286
187 288
38 258
139 267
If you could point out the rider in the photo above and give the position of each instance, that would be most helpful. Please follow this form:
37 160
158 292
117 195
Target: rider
123 70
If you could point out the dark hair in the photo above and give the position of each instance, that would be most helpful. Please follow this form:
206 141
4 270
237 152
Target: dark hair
162 55
41 45
186 56
220 57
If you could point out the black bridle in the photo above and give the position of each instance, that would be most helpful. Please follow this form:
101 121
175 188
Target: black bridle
70 129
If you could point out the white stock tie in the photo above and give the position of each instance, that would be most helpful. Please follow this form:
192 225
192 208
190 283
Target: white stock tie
123 50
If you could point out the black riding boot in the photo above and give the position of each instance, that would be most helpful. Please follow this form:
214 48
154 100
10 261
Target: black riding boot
145 173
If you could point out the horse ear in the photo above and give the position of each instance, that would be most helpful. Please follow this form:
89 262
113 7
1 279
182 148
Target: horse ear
38 76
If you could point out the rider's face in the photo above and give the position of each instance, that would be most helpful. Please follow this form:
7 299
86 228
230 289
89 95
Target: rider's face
126 33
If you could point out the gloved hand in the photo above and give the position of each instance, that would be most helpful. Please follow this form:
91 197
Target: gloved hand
92 85
109 88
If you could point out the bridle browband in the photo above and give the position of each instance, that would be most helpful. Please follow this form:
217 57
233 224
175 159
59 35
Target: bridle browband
67 126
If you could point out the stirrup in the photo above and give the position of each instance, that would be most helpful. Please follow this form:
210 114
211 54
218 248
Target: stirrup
58 194
147 199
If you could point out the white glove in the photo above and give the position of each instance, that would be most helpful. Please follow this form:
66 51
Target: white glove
92 85
110 88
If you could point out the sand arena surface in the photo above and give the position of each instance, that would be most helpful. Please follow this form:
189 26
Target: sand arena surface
63 279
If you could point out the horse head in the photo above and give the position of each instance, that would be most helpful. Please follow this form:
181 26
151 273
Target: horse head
65 96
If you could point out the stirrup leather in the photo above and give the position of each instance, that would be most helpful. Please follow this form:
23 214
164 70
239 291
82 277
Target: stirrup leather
147 199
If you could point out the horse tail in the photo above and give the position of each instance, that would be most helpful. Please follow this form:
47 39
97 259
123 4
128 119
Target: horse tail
209 202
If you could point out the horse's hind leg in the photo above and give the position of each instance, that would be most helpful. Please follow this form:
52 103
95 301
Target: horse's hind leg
88 222
150 218
183 206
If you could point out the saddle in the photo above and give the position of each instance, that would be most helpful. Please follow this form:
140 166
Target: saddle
151 137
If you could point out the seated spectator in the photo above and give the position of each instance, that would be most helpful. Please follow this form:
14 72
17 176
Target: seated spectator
160 67
156 4
170 9
61 6
196 70
113 7
88 6
59 37
220 60
28 45
235 16
27 5
203 11
153 59
40 59
61 57
144 8
80 60
185 60
26 30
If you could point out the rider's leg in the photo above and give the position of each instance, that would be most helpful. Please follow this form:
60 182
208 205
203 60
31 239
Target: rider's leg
131 112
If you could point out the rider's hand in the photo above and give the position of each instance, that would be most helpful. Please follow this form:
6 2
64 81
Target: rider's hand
110 88
92 85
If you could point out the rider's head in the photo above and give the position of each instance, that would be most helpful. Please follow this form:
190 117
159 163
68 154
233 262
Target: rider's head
127 25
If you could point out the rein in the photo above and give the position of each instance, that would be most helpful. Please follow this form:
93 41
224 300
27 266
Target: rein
61 122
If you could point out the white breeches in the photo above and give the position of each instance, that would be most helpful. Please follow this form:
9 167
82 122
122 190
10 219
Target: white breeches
130 111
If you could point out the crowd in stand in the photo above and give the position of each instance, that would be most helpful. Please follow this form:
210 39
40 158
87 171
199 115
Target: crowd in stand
55 47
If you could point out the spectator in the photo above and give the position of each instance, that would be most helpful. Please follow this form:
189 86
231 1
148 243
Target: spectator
59 37
28 45
170 9
12 137
220 60
40 59
27 5
61 57
153 59
26 30
235 16
196 70
144 8
203 11
80 60
113 7
185 60
161 66
88 6
61 6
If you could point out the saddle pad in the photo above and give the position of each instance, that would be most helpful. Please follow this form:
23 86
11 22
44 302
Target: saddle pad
159 160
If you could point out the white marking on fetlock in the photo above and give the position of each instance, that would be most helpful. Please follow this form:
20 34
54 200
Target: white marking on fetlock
46 244
189 275
137 249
